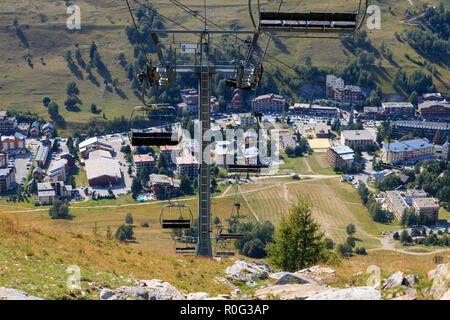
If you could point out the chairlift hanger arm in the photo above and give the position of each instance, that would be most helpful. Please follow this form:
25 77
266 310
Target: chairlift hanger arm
155 39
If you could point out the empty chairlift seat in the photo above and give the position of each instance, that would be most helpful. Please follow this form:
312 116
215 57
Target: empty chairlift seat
139 138
339 22
185 250
230 236
235 168
169 220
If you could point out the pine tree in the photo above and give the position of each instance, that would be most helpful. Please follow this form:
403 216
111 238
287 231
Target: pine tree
129 218
92 50
297 242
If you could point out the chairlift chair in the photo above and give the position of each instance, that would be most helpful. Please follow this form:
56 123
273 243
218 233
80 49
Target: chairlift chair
185 245
184 221
311 22
139 137
249 168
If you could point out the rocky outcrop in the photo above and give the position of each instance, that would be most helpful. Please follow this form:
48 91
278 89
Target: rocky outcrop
247 272
154 289
198 296
410 280
288 278
161 290
13 294
357 293
441 281
394 280
105 294
136 292
446 296
291 291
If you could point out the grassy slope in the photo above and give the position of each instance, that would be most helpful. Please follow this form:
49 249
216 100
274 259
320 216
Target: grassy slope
23 87
34 257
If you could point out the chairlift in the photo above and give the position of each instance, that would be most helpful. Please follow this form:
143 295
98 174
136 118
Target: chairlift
143 115
185 245
168 220
349 22
223 249
249 168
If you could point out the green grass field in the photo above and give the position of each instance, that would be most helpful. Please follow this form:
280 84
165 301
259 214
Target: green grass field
335 205
315 163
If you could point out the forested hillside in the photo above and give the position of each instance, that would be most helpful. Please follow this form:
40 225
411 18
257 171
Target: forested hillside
88 85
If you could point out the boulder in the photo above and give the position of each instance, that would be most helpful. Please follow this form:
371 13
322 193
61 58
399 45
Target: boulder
317 270
394 280
446 296
247 271
316 274
441 280
408 294
264 266
161 290
410 280
105 294
13 294
236 292
198 296
136 292
289 278
291 291
357 293
117 297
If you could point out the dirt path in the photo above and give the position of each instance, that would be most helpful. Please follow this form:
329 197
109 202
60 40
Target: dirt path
387 246
249 206
307 165
226 190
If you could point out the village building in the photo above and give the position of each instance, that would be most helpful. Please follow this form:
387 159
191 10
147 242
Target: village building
34 130
3 159
340 157
93 144
434 110
306 109
48 192
58 171
398 200
237 101
398 109
436 96
171 153
268 103
223 153
322 130
14 144
23 128
288 141
142 161
7 179
70 159
163 187
47 130
7 124
337 90
357 139
42 155
187 164
409 151
102 169
423 129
